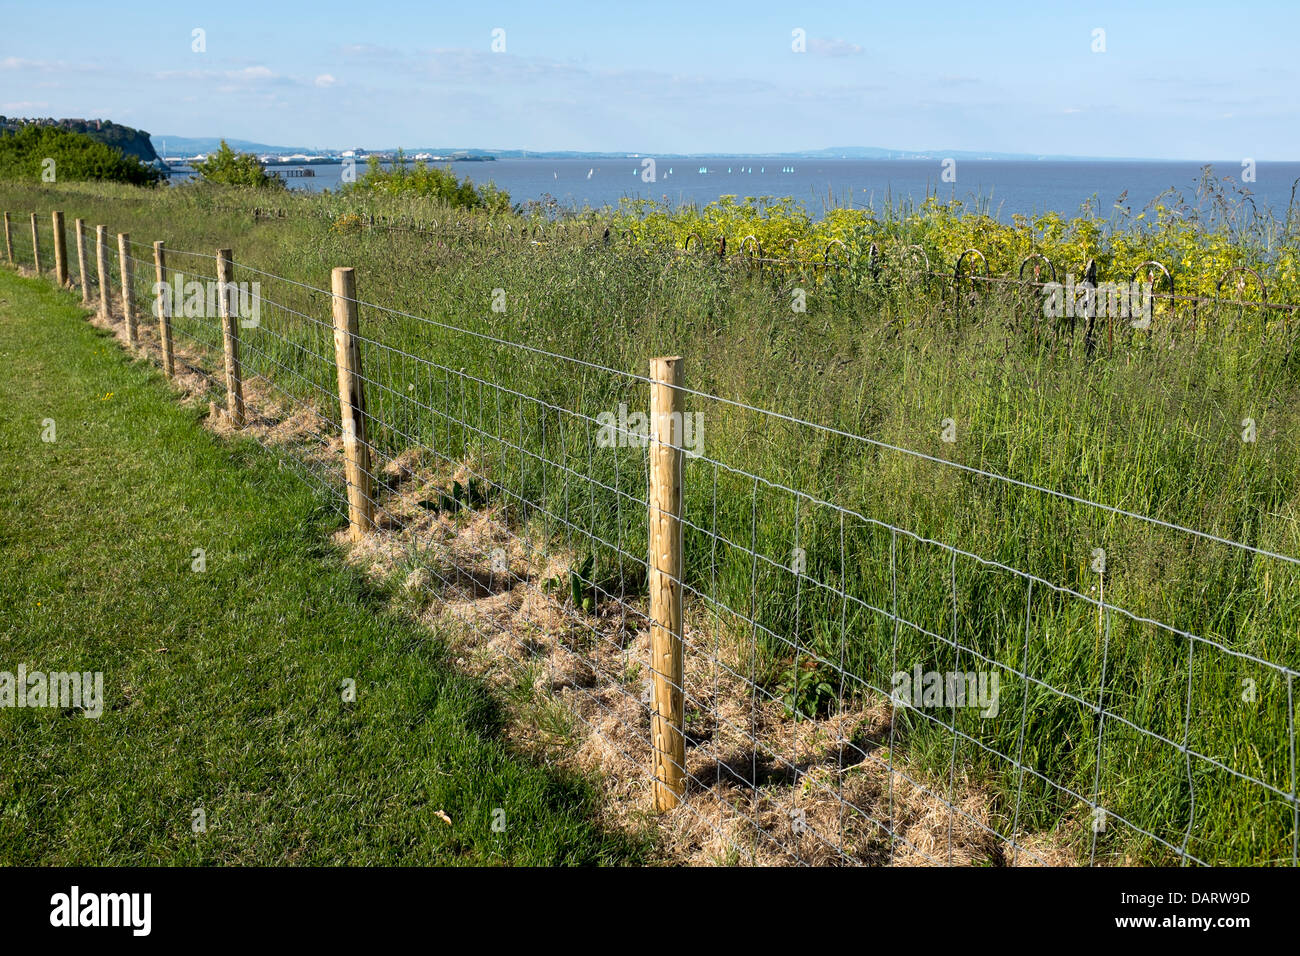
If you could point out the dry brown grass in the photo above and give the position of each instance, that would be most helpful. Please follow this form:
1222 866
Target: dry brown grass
762 787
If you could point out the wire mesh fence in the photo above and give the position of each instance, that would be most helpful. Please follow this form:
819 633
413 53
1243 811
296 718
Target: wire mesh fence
854 688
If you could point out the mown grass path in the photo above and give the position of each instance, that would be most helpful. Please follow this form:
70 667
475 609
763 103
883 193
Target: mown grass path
223 687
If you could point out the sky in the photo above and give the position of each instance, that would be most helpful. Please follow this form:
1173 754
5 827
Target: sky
1193 81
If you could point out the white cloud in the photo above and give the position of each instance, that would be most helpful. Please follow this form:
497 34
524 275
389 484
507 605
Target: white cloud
367 50
325 80
49 66
247 77
819 46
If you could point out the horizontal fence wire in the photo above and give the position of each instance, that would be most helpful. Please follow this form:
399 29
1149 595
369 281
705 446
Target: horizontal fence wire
1114 733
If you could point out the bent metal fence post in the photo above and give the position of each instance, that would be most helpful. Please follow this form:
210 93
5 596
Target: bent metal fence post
665 507
352 403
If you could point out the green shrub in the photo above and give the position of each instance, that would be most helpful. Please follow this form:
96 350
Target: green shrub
76 157
431 182
230 168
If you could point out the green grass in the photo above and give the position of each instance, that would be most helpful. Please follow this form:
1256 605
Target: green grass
223 688
1150 423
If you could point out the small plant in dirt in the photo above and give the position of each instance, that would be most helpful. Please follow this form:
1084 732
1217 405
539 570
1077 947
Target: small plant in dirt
807 689
458 496
578 576
583 594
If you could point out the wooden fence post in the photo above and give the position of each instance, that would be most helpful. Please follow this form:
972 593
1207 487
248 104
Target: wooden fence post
667 659
101 260
164 308
60 249
9 241
128 307
81 262
230 338
352 403
36 245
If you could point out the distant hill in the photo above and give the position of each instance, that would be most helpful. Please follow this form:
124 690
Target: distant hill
189 146
132 142
193 145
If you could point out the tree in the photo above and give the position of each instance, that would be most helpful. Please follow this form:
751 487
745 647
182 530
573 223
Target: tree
430 181
51 154
230 168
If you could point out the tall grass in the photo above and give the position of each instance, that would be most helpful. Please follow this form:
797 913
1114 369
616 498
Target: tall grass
1149 422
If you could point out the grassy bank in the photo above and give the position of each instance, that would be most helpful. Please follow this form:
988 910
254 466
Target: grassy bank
223 687
1150 422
